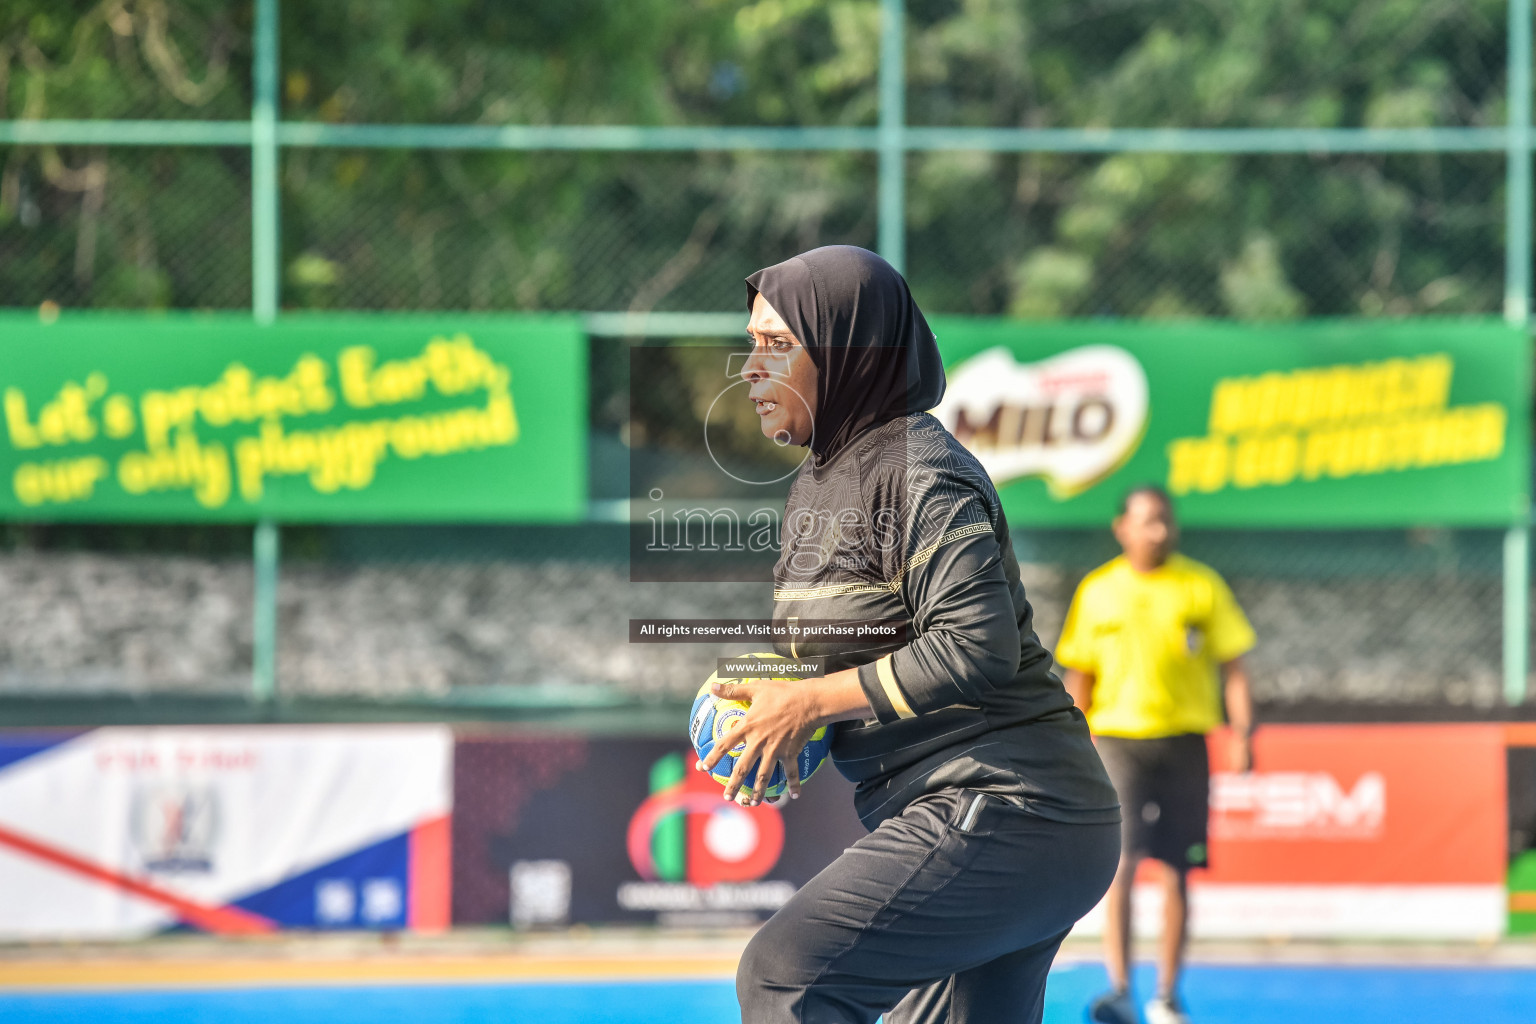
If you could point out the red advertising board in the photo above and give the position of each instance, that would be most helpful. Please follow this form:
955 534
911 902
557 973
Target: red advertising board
1362 804
1351 830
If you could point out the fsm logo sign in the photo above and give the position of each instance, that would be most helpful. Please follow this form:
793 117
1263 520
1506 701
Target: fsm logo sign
694 851
1072 419
1297 805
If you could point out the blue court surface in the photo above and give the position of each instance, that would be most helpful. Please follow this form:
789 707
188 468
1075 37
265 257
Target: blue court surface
1248 994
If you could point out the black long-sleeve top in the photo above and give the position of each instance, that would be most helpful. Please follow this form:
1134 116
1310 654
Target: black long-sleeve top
903 525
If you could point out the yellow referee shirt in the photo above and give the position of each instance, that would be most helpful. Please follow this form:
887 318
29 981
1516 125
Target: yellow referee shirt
1153 642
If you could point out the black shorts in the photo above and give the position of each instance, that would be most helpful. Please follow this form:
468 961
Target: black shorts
1165 794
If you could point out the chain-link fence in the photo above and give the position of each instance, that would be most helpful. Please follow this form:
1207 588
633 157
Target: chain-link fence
135 228
1035 236
1392 620
1388 619
1257 237
1248 237
1083 223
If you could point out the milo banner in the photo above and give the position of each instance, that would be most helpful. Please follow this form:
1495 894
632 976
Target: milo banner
1312 424
445 417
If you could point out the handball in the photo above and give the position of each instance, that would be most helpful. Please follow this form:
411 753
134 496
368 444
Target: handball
711 718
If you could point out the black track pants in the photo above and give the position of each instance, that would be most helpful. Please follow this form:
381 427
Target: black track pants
950 913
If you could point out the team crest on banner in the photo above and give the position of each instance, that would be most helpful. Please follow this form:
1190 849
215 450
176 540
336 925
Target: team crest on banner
1072 419
174 827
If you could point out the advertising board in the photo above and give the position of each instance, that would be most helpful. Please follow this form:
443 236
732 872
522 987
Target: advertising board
1357 830
1313 424
552 830
211 417
124 832
1353 830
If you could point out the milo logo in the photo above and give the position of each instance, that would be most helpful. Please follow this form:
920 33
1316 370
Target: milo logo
1072 419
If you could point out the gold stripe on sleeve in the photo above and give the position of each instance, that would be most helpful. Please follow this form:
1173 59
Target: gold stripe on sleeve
953 535
892 691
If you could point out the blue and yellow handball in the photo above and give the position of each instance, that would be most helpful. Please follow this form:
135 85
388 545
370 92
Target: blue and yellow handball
713 716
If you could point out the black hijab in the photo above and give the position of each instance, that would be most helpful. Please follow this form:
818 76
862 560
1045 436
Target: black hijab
876 357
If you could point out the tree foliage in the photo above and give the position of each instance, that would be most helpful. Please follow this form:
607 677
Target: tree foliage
1034 235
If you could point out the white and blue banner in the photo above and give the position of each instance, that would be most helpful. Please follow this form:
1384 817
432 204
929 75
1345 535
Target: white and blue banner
125 832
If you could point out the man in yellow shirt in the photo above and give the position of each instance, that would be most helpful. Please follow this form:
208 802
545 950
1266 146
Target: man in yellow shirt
1152 643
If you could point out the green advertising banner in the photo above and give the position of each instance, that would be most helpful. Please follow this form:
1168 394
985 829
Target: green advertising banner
317 417
1320 424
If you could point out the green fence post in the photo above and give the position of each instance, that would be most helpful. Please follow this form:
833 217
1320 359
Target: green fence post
1517 561
1517 310
264 294
893 144
264 613
264 215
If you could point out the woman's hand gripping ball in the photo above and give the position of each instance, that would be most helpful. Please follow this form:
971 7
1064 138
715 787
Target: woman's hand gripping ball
783 715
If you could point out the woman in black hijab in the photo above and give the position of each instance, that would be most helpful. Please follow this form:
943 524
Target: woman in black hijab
993 826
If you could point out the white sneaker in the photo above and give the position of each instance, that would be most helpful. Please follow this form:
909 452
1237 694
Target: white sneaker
1164 1011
